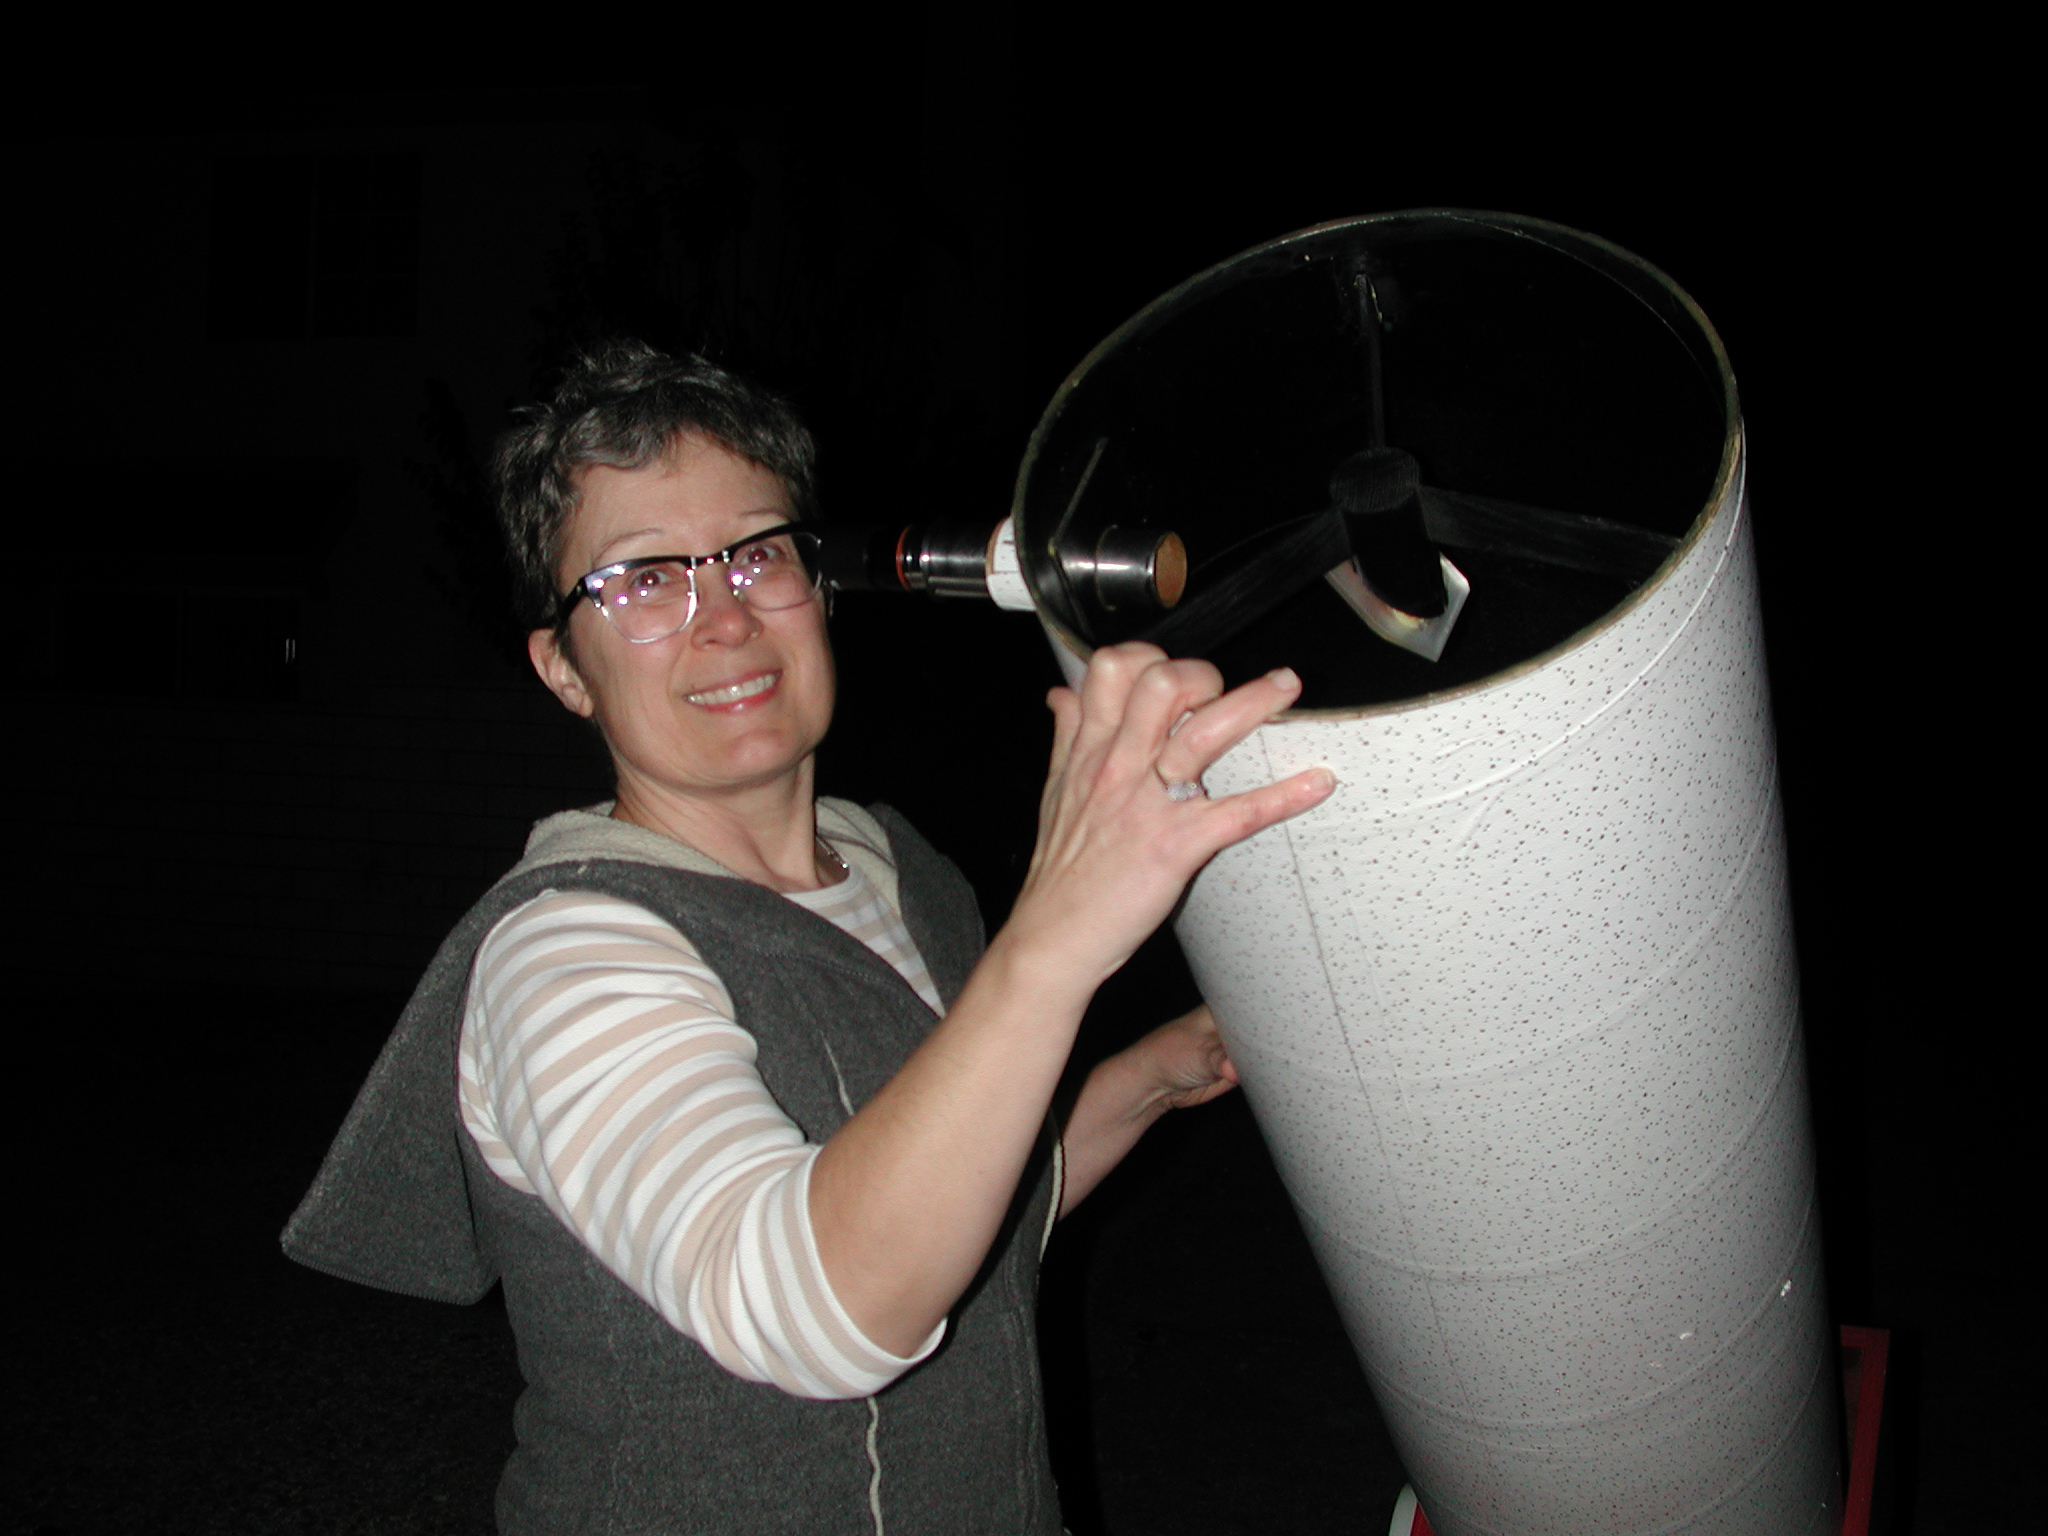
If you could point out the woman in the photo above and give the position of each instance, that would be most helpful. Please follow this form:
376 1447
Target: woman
766 1192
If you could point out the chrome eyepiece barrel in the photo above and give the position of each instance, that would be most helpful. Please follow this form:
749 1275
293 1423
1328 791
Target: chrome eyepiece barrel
944 559
1137 568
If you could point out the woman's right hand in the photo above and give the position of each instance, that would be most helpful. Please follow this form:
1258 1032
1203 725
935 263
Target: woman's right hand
1115 850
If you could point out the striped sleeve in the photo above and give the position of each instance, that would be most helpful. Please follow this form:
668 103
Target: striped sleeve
601 1070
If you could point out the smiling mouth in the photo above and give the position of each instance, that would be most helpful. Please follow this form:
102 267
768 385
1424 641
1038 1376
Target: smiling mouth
737 691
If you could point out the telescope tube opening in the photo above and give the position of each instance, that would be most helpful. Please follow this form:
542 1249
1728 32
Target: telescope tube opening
1566 409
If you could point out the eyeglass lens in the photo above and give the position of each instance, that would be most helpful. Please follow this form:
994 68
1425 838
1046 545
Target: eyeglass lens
651 602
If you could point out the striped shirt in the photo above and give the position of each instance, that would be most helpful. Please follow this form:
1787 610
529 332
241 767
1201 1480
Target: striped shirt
602 1071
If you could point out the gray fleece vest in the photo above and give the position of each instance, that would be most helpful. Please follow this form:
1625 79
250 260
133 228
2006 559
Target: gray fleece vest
625 1425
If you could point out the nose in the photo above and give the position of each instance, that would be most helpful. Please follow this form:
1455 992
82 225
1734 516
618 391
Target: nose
722 617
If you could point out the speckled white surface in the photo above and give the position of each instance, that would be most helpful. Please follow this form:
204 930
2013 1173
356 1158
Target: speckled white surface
1517 1010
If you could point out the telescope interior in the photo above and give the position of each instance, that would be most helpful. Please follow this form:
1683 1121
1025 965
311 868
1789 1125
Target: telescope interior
1563 404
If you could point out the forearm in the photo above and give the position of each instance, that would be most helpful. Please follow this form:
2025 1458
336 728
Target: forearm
908 1195
694 1196
1180 1064
1119 1103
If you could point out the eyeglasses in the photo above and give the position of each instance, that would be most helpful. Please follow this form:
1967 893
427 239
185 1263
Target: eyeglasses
655 596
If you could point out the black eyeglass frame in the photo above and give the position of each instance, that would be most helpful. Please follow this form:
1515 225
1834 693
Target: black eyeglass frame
590 584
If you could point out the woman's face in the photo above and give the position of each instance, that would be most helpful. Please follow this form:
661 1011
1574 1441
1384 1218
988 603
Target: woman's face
736 700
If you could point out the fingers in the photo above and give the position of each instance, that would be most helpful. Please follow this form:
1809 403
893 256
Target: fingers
1207 1043
1135 699
1127 704
1194 1067
1219 1052
1145 717
1237 817
1113 673
1213 731
1164 696
1201 1024
1115 849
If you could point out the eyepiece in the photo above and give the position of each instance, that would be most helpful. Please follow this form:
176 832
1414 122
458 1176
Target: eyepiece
1128 568
945 559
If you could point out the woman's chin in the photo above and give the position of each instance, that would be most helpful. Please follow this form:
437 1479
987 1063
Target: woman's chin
750 766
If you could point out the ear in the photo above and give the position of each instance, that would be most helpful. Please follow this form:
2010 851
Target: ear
544 650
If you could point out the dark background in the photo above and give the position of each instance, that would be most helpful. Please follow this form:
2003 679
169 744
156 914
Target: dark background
262 338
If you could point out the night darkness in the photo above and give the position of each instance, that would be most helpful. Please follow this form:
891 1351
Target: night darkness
264 341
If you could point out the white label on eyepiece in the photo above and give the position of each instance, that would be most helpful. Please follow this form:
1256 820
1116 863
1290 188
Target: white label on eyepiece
1005 574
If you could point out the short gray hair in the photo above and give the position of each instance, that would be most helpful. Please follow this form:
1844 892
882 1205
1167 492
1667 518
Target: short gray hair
624 405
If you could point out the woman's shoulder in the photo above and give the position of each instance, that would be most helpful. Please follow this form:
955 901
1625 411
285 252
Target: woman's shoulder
585 867
593 833
589 917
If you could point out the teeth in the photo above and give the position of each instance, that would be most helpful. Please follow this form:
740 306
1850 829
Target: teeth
737 691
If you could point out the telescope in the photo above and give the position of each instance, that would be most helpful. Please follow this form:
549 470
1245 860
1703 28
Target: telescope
1516 1008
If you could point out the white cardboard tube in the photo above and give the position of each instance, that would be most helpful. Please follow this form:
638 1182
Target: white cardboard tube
1517 1012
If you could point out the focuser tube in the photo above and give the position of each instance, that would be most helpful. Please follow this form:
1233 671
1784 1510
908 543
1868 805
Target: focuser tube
1128 568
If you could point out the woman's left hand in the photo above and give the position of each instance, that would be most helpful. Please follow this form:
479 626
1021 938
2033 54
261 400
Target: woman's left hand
1180 1064
1186 1062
